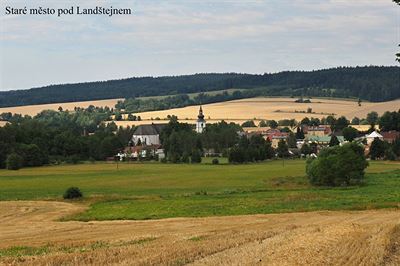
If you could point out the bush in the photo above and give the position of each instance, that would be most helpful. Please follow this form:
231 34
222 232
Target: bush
215 161
338 166
14 161
72 193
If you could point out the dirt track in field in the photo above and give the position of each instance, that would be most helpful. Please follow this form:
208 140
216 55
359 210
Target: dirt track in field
316 238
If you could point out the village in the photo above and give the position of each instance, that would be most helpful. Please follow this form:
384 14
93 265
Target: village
300 140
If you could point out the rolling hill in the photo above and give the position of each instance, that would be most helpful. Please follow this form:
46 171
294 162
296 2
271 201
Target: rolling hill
372 83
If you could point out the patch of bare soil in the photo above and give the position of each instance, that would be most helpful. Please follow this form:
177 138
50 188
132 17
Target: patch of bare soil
30 234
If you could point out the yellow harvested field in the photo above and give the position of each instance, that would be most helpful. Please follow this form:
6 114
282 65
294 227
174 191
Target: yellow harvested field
267 108
316 238
3 123
34 109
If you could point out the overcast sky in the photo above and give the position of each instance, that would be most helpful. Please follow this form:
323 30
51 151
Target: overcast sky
184 37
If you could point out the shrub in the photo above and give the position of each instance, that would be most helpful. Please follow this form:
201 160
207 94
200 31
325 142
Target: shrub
14 161
338 166
72 193
215 161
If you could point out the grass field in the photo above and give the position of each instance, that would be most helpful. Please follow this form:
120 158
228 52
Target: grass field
154 190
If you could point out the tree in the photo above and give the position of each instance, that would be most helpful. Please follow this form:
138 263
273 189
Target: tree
334 141
249 123
283 149
314 121
338 166
236 155
196 157
273 124
32 155
305 149
292 141
372 118
118 116
299 133
305 121
14 161
355 121
72 193
390 121
350 133
396 147
377 149
131 117
330 120
263 123
341 123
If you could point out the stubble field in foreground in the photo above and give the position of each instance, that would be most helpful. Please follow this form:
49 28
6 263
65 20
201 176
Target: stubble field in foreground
29 235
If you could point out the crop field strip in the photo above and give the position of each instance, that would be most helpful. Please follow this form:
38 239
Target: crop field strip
156 190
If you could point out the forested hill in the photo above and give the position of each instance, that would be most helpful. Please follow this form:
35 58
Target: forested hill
369 83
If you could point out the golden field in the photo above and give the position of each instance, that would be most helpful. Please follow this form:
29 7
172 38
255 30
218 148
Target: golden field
234 111
35 109
275 108
369 237
260 108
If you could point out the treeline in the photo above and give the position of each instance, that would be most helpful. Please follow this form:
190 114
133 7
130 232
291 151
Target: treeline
142 105
371 83
55 137
388 121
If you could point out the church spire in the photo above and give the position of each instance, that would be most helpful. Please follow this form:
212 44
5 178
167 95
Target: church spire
201 123
201 116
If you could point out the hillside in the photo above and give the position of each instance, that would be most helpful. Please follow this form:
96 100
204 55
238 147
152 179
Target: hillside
370 83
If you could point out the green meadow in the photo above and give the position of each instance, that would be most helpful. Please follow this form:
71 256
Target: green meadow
156 190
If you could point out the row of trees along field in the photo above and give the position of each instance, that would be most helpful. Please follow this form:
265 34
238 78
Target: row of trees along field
388 121
142 105
373 83
53 137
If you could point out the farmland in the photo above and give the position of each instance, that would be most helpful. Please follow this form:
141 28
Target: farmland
154 190
236 111
239 111
276 108
32 233
35 109
32 110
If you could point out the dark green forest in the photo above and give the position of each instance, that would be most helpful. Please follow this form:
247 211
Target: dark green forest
372 83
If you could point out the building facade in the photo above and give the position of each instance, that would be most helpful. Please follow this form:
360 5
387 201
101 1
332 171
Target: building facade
147 135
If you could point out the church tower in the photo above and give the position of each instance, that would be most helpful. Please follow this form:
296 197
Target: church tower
201 123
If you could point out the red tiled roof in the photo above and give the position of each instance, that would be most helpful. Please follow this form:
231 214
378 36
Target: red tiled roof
390 135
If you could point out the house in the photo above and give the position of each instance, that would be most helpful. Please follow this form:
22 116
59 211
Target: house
390 136
321 130
200 123
370 138
147 135
275 137
323 140
142 151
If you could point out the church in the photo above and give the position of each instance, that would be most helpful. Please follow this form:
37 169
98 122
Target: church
200 123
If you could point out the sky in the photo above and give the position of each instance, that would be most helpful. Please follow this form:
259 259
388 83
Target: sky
192 36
